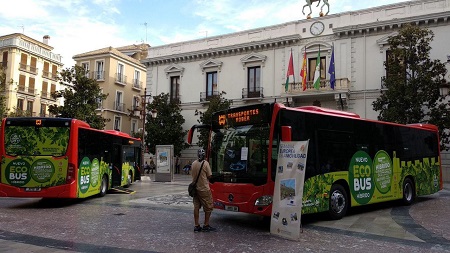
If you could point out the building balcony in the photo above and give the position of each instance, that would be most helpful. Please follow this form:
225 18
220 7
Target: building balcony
4 64
99 75
26 90
256 92
23 113
137 84
342 84
176 100
119 107
206 96
121 79
28 68
49 75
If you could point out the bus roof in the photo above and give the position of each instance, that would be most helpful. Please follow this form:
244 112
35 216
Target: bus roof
327 110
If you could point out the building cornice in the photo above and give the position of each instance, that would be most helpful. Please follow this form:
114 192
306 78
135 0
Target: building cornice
393 24
237 49
32 46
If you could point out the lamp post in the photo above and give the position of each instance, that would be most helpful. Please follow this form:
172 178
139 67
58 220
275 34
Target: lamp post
144 116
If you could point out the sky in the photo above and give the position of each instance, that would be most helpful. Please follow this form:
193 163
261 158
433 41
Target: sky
79 26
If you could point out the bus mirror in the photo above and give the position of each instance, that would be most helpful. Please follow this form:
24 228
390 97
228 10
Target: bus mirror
286 133
190 134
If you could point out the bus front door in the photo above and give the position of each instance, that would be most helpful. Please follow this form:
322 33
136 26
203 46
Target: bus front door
117 165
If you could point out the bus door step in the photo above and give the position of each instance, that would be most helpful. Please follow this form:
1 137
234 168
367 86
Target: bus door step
119 189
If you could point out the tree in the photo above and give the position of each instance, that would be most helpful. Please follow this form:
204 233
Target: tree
413 82
166 128
81 98
216 103
3 85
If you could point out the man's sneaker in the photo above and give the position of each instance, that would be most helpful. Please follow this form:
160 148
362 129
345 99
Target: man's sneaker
208 228
197 229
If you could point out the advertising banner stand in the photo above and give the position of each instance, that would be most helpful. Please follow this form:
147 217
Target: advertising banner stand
164 163
288 192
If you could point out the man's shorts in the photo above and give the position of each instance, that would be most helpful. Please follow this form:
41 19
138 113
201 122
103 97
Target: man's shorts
203 198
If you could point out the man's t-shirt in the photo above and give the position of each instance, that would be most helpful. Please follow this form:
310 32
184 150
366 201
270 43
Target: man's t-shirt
203 183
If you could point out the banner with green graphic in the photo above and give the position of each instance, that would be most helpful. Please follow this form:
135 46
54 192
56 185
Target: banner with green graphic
34 172
373 180
89 173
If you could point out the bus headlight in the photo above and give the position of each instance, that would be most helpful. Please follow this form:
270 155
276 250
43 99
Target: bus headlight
264 200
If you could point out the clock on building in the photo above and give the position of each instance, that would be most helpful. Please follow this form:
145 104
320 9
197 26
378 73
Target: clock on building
317 28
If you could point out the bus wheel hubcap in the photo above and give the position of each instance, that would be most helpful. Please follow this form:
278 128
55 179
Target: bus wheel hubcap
337 202
408 192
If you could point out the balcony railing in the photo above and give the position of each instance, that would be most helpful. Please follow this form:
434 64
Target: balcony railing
26 90
136 108
341 84
28 68
256 92
49 75
23 113
206 96
45 94
4 64
99 75
176 100
137 84
121 79
119 107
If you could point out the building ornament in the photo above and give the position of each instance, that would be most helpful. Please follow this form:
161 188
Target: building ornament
253 57
174 69
211 63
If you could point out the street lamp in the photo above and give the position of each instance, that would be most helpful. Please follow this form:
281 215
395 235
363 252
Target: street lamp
144 116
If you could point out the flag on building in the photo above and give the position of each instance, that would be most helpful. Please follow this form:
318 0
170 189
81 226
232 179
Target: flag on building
331 69
303 71
317 72
290 72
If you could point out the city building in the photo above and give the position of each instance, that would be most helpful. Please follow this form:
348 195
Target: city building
120 75
31 74
251 66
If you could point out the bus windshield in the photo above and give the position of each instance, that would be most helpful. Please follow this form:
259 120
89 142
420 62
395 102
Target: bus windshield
240 154
27 140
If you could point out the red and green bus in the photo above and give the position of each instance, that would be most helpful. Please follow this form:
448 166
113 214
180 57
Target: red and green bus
350 162
64 158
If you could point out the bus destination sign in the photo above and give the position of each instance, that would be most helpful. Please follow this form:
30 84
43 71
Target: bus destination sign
249 115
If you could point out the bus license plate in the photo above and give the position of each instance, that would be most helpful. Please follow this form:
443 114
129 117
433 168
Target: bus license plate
232 208
33 189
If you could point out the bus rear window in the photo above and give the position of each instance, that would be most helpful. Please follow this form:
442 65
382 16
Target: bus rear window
36 140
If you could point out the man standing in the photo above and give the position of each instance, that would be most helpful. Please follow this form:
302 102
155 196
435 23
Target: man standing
203 198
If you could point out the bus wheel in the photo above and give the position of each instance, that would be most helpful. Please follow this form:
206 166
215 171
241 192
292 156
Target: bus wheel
409 192
338 202
103 186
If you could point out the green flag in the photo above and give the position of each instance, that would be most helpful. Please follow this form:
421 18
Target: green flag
317 72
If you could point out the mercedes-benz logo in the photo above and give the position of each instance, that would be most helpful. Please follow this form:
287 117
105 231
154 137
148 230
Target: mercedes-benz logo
230 197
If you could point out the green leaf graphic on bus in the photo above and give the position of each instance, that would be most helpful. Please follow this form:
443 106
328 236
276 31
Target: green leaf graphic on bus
314 189
45 141
426 174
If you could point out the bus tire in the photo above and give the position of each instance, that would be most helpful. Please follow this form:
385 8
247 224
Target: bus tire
103 186
409 192
338 202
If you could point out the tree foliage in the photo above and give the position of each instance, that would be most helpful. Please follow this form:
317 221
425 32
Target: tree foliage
3 84
166 128
81 97
413 83
216 103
